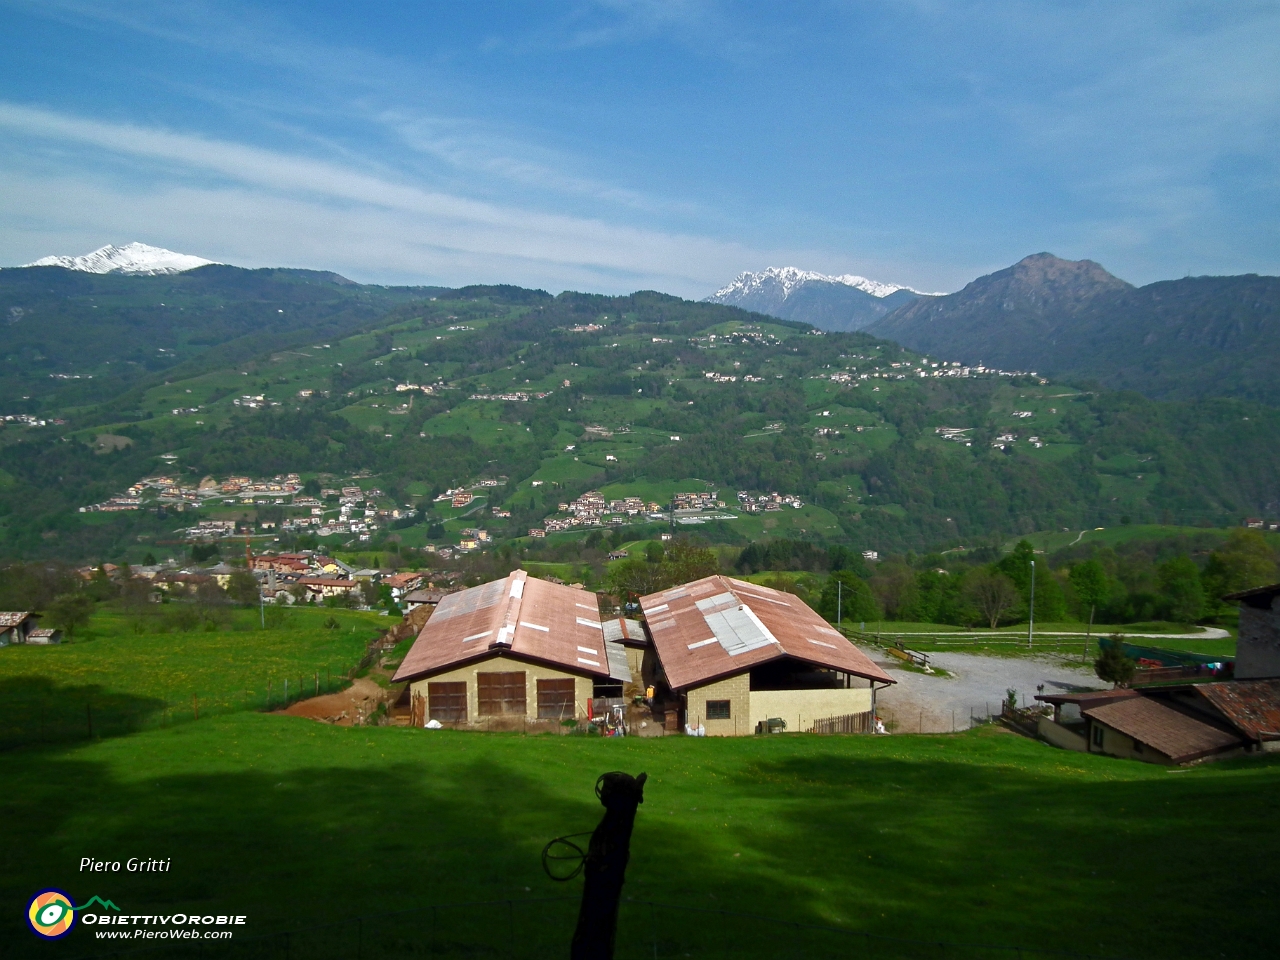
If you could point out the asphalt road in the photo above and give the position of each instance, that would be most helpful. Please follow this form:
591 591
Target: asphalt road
934 704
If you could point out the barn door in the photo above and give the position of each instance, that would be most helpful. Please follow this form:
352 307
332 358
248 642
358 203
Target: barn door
447 702
501 694
556 699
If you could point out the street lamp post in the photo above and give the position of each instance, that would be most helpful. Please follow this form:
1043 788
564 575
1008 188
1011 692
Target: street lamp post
1031 624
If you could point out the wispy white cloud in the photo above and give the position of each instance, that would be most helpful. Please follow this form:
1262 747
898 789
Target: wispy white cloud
368 222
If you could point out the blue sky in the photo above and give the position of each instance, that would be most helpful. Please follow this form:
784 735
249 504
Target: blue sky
631 144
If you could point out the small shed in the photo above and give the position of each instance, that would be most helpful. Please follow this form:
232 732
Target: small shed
1142 728
16 626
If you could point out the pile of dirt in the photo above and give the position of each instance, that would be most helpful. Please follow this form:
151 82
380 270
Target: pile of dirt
345 709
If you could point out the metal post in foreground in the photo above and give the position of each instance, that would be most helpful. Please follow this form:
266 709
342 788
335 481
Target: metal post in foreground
605 866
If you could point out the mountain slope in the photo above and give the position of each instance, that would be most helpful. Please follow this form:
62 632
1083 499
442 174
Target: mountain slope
72 333
843 303
137 259
1196 337
431 389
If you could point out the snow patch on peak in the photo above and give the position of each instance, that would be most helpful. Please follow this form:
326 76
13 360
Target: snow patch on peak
789 278
137 259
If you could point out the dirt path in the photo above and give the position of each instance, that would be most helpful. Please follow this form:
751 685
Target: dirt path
934 704
357 701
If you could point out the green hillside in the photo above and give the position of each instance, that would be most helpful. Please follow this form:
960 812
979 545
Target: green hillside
598 389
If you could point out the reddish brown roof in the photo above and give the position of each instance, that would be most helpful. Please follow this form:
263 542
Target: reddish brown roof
1251 706
718 626
12 618
1179 737
517 616
402 579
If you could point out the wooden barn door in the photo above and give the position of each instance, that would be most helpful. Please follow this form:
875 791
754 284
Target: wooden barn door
556 699
501 694
447 702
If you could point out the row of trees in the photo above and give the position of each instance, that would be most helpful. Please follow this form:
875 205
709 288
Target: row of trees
1105 585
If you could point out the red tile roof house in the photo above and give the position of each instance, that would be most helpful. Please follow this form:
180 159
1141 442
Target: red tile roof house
402 583
512 651
736 655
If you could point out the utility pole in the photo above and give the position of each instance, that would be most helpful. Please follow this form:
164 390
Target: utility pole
839 602
1031 624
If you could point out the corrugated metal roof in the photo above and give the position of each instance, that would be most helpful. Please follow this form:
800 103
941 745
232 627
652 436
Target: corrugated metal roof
528 618
1176 735
719 626
1251 706
617 656
629 633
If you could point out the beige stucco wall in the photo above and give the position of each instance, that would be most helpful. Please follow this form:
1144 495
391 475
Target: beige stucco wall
582 689
1258 649
800 708
1117 744
1060 736
737 690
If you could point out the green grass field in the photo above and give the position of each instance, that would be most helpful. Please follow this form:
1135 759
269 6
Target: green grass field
983 837
119 679
975 838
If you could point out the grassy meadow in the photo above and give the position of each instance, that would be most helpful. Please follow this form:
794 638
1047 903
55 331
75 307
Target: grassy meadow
875 846
123 673
978 838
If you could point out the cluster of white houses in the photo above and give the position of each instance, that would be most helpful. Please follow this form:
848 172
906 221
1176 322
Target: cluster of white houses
719 655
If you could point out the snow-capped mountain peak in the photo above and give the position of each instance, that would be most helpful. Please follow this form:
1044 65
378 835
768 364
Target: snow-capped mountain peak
133 258
788 278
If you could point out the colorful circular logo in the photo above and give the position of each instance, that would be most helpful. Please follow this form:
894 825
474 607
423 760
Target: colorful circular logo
51 914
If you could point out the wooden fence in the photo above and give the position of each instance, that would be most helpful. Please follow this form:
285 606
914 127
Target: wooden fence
849 723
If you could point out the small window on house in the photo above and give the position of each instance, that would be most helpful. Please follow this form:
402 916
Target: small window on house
717 709
1097 735
1137 745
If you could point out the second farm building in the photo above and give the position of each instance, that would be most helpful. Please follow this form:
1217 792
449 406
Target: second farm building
718 656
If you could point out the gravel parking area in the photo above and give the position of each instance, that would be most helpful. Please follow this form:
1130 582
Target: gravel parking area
934 704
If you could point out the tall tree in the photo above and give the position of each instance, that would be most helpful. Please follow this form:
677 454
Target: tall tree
1181 590
1090 582
993 593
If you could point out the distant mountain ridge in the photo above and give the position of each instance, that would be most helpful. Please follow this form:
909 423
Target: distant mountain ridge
1195 337
134 259
843 303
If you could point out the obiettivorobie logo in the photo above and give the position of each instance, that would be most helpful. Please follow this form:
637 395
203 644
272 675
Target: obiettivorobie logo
52 916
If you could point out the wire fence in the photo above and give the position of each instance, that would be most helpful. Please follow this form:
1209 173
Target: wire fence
33 711
534 928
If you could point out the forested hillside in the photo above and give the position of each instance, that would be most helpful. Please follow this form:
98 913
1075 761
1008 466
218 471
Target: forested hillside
644 395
